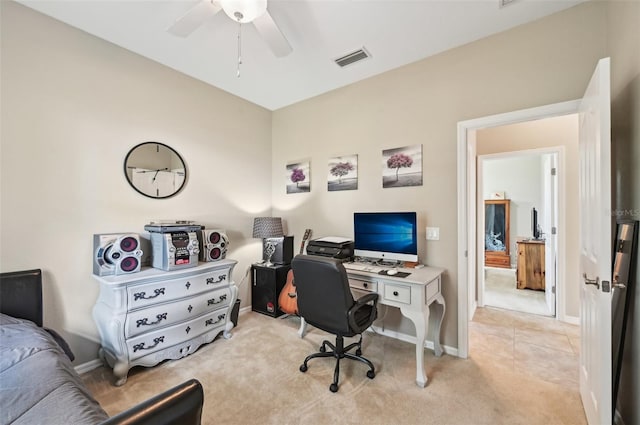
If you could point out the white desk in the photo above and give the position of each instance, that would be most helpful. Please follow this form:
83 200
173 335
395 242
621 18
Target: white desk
417 296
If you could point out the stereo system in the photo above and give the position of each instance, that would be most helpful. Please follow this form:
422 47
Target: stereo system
169 246
174 245
213 244
116 253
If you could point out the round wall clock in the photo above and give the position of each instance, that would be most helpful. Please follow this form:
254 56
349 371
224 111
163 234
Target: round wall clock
155 170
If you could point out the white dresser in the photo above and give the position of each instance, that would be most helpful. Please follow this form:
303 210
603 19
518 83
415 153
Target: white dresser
153 315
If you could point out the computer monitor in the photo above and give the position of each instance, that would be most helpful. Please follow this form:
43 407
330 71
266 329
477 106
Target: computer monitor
386 235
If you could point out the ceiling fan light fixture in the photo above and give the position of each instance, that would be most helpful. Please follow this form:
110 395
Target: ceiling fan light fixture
244 11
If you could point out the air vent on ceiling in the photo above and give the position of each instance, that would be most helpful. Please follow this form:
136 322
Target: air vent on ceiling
352 57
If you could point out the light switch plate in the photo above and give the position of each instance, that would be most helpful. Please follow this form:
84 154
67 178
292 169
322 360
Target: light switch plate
433 233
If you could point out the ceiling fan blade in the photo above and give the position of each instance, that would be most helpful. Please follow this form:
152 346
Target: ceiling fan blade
194 17
272 35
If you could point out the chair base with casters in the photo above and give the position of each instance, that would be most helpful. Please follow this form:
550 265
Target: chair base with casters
339 351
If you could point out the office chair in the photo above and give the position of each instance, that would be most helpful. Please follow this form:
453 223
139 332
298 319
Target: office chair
325 301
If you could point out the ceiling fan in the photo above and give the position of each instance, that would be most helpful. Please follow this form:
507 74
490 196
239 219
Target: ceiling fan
241 11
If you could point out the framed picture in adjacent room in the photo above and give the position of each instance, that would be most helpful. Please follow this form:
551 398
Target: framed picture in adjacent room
402 166
299 177
343 173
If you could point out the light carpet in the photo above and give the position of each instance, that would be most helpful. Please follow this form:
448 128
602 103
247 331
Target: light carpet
253 378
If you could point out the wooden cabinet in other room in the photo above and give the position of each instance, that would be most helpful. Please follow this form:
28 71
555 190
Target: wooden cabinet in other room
531 265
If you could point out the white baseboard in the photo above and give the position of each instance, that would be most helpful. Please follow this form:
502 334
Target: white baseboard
412 339
617 418
88 366
573 320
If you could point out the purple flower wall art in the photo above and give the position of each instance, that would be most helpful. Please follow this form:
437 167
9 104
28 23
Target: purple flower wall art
299 177
343 173
402 166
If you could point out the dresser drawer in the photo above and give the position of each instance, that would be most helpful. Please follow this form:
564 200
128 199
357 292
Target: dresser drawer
166 337
157 292
158 316
398 293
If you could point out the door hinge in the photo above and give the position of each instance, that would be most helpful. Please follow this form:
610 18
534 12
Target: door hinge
466 254
553 289
554 171
554 230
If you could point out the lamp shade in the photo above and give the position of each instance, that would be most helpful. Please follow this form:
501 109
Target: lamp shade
267 227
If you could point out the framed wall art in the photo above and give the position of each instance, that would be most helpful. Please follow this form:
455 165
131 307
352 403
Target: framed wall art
343 173
299 177
402 166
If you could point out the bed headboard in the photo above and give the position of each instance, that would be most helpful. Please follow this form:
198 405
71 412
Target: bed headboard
21 295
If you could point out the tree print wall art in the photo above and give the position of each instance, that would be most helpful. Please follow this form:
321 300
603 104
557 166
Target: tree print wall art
343 173
402 166
299 177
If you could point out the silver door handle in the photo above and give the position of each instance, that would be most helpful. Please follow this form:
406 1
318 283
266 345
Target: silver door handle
620 285
588 281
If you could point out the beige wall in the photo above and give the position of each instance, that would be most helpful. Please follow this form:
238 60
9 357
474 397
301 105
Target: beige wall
624 49
72 107
558 132
544 62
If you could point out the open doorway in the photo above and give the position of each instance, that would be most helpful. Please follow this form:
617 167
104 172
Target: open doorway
518 263
470 202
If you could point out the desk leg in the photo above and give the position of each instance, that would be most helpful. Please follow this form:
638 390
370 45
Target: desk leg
303 327
438 308
420 320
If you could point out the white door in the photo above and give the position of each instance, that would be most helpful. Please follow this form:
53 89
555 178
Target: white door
550 224
595 247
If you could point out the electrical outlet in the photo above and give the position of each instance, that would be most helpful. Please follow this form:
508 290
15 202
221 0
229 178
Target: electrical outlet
433 233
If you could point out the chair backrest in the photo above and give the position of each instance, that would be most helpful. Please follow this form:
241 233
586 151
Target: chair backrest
324 297
21 295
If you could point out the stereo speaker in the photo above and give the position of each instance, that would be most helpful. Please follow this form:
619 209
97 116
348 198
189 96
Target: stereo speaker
284 250
214 243
116 253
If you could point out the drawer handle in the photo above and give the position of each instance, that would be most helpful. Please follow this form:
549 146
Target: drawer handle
213 300
365 285
141 346
190 308
143 295
187 285
211 281
145 321
395 293
211 322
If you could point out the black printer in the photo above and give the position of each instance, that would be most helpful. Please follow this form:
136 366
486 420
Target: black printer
331 246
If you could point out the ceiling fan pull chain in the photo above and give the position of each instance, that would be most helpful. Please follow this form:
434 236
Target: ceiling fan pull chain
239 46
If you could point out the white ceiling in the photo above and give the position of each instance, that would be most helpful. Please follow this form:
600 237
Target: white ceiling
395 32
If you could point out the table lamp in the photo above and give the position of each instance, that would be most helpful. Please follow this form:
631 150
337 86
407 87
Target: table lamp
265 228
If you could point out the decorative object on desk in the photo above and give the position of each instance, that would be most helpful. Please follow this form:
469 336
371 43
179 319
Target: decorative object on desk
343 173
265 228
497 195
288 298
402 166
299 177
155 170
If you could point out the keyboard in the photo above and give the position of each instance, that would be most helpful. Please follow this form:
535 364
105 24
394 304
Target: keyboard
362 267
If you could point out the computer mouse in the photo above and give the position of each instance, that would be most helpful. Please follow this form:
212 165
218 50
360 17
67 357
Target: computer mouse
392 272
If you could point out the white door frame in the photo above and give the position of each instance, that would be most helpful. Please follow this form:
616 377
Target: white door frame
559 249
467 205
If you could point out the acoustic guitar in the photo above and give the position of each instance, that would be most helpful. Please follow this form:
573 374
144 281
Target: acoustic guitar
288 300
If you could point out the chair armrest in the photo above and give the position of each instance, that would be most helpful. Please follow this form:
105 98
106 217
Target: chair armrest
180 405
360 304
367 298
62 343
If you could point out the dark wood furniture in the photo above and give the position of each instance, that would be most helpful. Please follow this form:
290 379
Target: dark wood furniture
496 233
